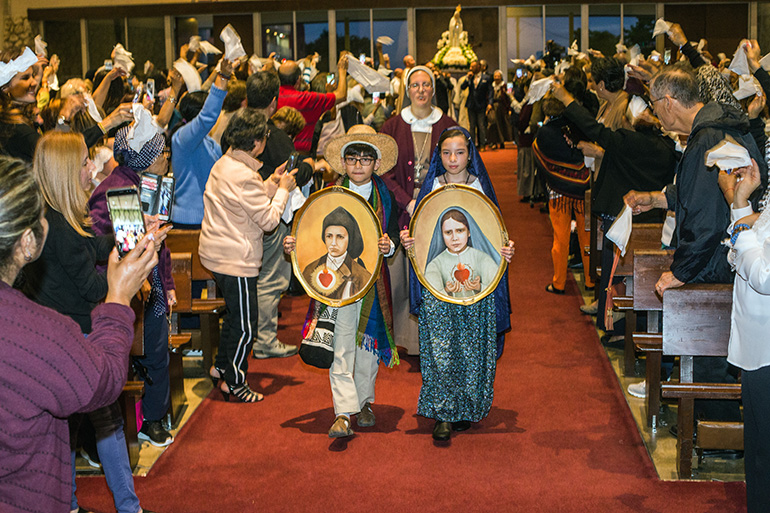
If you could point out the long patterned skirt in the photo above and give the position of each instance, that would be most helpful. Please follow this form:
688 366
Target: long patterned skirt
457 359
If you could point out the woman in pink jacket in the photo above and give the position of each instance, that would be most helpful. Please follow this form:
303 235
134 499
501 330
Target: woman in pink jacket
238 208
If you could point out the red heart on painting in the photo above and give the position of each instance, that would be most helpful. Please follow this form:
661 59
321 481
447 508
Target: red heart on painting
462 273
325 278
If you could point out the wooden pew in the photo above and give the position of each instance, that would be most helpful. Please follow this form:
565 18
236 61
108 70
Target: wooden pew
644 236
176 344
133 389
208 309
648 266
132 393
595 243
696 322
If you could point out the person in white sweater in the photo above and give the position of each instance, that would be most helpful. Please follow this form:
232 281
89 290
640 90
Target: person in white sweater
749 349
238 208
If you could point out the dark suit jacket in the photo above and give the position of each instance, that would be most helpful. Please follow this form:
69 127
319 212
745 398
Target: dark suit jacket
479 96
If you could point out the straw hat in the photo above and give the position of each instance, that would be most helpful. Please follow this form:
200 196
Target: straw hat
385 145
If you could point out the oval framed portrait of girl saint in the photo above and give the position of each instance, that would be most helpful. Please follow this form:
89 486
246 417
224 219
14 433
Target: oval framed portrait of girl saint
458 233
336 256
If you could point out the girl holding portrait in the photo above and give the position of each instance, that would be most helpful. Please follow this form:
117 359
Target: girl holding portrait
459 344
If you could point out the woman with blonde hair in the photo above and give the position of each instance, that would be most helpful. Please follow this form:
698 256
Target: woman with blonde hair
65 279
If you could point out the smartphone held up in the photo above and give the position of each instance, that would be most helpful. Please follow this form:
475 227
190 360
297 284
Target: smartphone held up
125 211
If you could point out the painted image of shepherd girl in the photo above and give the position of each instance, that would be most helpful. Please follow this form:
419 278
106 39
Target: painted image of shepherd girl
461 260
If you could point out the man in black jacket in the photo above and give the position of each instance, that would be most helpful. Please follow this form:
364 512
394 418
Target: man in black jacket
702 213
478 103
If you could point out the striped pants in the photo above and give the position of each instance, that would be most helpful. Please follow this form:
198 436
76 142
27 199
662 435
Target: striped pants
239 326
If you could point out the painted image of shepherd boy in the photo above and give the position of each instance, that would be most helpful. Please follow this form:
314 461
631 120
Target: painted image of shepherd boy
340 273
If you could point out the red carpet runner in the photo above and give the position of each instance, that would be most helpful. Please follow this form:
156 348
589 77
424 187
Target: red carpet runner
559 437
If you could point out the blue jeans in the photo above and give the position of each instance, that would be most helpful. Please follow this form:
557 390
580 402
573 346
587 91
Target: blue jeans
113 453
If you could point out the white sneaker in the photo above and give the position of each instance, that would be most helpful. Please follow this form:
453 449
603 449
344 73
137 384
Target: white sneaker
638 389
276 350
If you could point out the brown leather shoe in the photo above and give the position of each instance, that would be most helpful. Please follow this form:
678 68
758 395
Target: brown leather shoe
366 417
340 428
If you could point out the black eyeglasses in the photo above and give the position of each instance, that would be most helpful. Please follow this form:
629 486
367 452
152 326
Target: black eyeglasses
364 161
651 102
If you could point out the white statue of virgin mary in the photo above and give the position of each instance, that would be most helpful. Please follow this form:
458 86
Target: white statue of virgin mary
455 28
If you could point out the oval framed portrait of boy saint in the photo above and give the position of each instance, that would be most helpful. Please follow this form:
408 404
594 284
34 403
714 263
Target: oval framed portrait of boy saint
336 256
458 233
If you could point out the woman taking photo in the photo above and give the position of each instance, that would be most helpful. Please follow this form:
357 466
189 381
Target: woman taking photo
49 370
151 158
65 279
416 131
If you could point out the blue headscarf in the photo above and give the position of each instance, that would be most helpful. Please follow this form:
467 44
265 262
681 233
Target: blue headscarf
476 168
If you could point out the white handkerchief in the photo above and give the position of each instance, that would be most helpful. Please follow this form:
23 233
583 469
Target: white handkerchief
589 161
747 86
207 48
620 48
740 63
635 53
102 155
122 58
765 62
40 46
538 88
636 106
385 40
192 78
563 65
143 129
255 64
655 55
294 203
53 82
194 44
620 231
573 48
91 106
728 154
233 47
354 94
368 77
661 27
8 70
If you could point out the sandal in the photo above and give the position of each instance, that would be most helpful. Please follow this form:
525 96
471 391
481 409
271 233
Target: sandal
553 290
243 393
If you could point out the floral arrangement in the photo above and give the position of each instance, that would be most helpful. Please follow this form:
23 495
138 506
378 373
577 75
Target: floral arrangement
453 57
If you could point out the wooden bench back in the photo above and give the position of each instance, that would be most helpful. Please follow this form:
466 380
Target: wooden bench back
696 319
643 236
181 270
186 241
649 264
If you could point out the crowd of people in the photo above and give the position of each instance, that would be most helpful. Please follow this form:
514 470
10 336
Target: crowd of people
248 139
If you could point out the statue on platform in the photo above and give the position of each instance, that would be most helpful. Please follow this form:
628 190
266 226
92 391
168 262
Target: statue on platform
453 48
455 28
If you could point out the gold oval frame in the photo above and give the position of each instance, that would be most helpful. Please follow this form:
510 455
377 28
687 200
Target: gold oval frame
427 215
333 197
